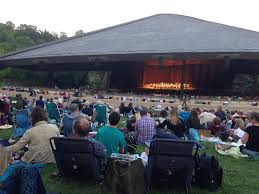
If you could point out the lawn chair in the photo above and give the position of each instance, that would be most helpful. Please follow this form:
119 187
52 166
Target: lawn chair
54 114
75 158
171 161
67 125
101 116
22 122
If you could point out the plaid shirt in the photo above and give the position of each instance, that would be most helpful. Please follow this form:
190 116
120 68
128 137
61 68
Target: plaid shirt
145 129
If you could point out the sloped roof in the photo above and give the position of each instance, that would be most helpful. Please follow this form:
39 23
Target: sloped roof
163 33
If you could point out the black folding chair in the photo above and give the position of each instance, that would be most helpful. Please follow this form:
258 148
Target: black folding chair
75 158
171 161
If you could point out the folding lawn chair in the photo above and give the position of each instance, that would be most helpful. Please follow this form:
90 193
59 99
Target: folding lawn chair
75 158
67 125
101 116
54 113
171 161
22 122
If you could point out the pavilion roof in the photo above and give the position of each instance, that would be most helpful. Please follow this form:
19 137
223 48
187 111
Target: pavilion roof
163 34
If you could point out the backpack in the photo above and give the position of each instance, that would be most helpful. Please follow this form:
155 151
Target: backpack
124 177
209 174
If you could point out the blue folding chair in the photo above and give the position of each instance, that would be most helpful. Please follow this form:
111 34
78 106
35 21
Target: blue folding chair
67 125
101 116
54 114
22 121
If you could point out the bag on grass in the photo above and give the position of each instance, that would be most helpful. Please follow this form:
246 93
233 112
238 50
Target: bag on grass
124 177
209 174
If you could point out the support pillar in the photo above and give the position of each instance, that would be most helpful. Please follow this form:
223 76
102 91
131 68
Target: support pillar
107 79
253 89
183 75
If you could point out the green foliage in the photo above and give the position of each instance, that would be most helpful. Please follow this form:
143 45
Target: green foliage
13 38
244 84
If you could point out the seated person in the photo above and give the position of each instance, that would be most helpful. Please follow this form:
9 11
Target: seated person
40 102
87 110
131 124
75 112
37 138
174 123
193 121
162 118
251 137
122 108
238 131
81 129
145 128
216 127
111 137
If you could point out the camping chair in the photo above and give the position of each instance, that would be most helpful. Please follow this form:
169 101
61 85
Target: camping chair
184 115
22 122
75 158
53 113
101 117
171 161
67 125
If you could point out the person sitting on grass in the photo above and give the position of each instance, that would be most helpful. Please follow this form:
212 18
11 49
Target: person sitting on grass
40 102
145 128
216 127
111 137
162 118
81 129
75 111
251 137
37 139
174 124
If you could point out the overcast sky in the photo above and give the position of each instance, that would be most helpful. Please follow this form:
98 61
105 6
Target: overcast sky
72 15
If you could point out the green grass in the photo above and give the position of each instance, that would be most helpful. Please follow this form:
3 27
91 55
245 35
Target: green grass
241 176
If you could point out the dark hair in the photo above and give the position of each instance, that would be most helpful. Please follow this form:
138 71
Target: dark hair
130 104
216 121
255 116
163 113
133 119
80 128
143 111
38 114
114 118
194 113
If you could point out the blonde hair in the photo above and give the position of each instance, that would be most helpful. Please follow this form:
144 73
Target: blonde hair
174 117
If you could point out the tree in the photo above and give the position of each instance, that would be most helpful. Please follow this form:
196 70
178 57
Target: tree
244 84
62 35
13 38
79 32
10 25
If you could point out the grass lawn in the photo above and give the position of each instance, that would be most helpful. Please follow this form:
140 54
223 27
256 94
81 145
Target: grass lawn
241 176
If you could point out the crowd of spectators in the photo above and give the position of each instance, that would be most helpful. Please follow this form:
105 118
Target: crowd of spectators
142 123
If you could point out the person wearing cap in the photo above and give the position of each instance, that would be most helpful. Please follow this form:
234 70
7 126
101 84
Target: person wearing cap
251 137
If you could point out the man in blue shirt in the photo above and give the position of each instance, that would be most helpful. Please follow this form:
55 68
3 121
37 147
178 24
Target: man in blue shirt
40 102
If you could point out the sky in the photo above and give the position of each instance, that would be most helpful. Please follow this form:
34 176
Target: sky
88 15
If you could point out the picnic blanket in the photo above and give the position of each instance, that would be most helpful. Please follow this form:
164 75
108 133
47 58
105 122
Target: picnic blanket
226 150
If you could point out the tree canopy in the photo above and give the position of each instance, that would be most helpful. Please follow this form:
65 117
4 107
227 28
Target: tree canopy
17 37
